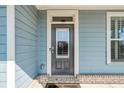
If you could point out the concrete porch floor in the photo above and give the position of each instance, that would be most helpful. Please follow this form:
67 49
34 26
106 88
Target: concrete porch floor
102 85
36 84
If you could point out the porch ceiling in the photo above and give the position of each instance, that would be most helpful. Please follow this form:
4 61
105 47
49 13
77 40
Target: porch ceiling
81 7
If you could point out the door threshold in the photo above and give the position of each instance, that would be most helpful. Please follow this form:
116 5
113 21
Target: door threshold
62 85
62 76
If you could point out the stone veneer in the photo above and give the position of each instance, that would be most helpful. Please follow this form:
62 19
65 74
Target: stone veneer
82 79
101 79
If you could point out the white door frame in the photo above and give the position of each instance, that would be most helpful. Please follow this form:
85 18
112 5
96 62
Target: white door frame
74 14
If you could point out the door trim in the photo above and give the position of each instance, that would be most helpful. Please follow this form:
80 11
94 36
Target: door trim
74 14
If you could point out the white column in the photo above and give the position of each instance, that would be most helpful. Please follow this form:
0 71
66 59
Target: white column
10 46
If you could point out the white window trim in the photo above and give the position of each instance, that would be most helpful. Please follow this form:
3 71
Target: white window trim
109 15
74 13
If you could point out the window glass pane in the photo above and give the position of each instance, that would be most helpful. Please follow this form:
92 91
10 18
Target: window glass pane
62 41
62 19
117 27
62 48
117 51
112 28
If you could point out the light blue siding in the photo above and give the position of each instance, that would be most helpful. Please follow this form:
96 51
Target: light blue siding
42 30
3 46
3 33
26 45
92 45
3 77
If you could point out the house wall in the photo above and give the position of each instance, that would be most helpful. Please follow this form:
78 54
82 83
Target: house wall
93 45
3 45
31 44
26 44
42 30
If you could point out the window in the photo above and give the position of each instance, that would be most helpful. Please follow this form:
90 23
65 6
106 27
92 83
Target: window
62 19
115 26
62 42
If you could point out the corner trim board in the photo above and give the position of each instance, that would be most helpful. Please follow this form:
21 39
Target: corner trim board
10 46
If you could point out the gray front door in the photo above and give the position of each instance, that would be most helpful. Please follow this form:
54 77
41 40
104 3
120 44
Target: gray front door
62 49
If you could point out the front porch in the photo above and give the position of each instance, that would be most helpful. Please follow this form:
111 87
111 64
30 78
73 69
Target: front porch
87 57
85 81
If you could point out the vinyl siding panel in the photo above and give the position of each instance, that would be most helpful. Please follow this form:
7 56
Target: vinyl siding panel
3 78
93 44
3 33
26 45
42 30
3 45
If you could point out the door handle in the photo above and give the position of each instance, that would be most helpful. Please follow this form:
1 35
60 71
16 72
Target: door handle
51 49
